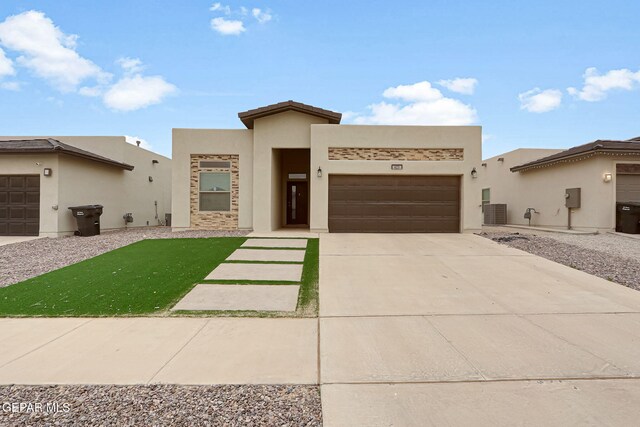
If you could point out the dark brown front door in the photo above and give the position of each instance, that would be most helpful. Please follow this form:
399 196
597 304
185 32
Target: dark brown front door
297 203
19 205
394 204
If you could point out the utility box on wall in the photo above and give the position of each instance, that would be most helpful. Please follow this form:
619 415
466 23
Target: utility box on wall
572 197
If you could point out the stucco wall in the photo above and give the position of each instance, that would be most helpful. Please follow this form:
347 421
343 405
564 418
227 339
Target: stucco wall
84 183
544 189
78 182
432 137
285 130
211 141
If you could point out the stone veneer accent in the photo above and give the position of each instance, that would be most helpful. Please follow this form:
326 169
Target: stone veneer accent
404 154
214 220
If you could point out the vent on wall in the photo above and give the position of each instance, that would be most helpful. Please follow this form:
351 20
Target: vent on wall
209 164
495 214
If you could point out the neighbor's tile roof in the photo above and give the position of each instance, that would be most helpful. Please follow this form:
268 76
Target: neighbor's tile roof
247 117
30 146
611 147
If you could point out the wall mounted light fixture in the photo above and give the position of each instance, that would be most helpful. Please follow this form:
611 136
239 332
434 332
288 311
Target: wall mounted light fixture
150 179
319 172
47 172
154 161
607 177
474 173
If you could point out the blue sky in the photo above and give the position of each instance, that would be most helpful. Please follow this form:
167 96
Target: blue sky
533 74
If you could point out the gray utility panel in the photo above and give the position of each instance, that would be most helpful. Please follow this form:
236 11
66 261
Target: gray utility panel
572 197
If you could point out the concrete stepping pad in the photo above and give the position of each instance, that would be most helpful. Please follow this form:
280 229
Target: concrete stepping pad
240 297
278 255
271 272
276 243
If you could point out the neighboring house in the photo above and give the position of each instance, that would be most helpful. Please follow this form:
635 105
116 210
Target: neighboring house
41 177
605 171
296 166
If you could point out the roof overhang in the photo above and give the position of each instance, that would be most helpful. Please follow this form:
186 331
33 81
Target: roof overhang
248 117
574 158
53 146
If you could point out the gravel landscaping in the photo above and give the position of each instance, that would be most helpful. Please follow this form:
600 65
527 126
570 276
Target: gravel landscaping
611 257
154 405
24 260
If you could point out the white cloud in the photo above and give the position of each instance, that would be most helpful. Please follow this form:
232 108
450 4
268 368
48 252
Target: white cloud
219 7
47 51
465 86
135 92
597 85
261 16
12 86
540 101
6 65
228 27
91 91
419 104
130 65
422 91
143 142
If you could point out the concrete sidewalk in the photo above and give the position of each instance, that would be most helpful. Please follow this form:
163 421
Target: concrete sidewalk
158 350
437 330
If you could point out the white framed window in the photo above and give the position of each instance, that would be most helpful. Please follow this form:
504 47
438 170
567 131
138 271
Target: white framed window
215 191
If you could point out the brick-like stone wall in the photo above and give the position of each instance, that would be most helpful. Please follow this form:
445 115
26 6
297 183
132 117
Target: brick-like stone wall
214 220
402 154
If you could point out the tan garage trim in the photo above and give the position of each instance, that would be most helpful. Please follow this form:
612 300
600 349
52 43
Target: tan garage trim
394 204
403 154
214 220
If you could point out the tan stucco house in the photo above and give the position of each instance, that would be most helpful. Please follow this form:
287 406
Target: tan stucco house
41 177
604 171
295 165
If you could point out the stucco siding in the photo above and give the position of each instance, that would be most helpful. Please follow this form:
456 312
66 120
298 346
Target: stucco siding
84 183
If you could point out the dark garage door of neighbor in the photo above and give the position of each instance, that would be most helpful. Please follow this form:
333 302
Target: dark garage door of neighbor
19 205
394 204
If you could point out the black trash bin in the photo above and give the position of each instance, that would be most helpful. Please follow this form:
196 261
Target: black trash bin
88 218
628 217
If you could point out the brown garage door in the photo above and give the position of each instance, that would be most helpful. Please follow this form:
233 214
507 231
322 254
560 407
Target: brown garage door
19 205
394 204
627 188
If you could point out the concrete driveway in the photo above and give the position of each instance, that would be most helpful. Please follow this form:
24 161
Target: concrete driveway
458 330
9 240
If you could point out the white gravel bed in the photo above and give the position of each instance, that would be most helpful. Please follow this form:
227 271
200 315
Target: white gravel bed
24 260
604 242
166 405
585 255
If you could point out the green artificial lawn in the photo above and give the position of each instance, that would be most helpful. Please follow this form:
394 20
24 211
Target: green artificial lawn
145 277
